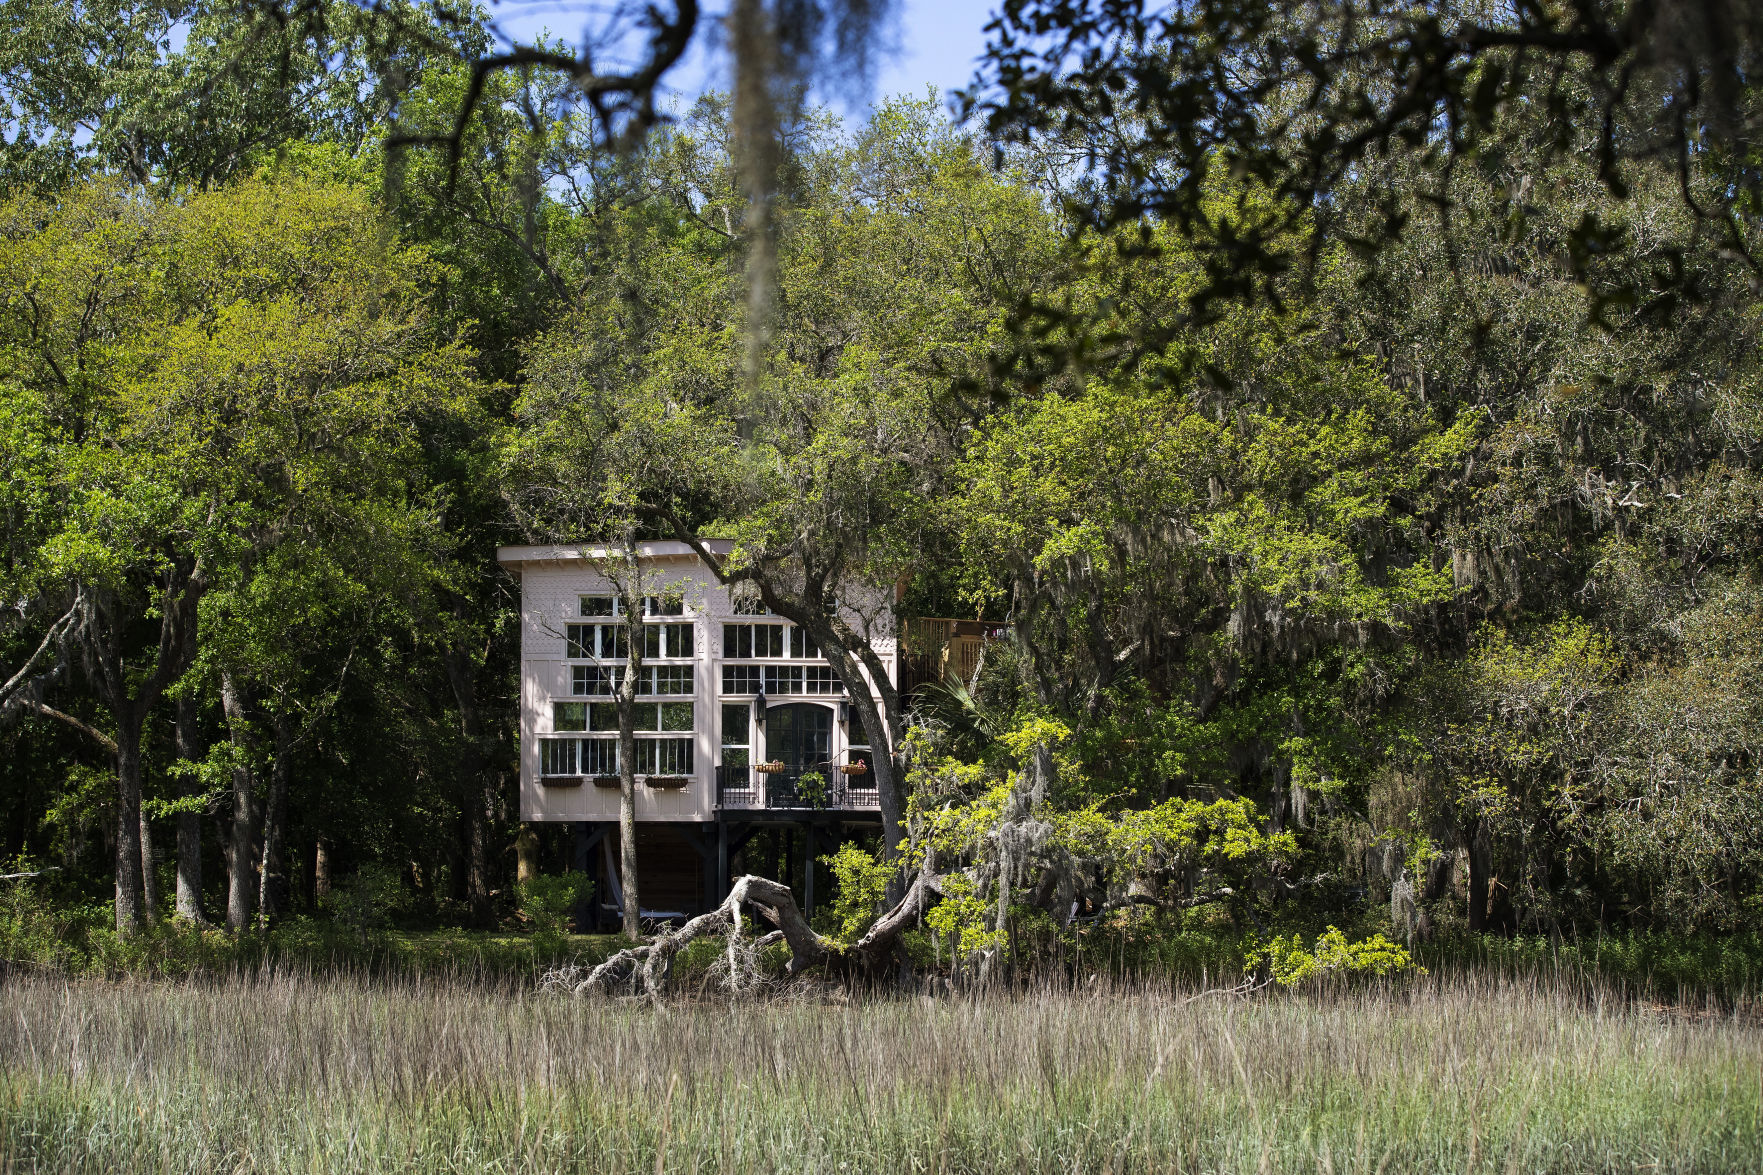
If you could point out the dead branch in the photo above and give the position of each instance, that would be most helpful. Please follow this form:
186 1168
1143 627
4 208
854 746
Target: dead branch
31 705
28 876
648 965
646 968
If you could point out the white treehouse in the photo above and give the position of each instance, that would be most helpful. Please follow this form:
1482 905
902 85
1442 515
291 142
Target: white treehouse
743 729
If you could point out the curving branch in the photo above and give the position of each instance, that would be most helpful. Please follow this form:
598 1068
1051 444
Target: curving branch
55 639
646 968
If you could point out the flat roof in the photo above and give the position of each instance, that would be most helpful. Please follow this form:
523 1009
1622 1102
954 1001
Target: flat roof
597 549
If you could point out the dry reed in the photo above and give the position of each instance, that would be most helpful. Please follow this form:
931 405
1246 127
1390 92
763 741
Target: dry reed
301 1074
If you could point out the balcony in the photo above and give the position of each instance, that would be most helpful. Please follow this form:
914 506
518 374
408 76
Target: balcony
935 648
744 789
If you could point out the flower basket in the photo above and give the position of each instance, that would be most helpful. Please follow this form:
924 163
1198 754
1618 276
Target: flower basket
774 767
560 781
669 782
853 768
605 781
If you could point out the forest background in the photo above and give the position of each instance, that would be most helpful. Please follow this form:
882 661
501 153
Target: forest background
1380 557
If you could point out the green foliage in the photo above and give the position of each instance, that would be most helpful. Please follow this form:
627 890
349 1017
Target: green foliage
370 900
812 788
861 883
549 902
1290 964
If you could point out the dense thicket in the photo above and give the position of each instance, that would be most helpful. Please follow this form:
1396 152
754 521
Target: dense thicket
1416 591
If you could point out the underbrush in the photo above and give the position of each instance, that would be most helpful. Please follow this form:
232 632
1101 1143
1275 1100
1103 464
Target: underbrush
1131 946
286 1074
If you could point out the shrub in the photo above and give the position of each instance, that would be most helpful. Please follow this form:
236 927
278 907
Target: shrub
1289 964
862 883
549 903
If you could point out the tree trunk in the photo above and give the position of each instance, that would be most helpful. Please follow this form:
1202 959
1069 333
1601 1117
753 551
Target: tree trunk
478 794
321 871
627 752
1480 866
128 819
526 854
149 871
628 581
865 961
238 907
189 846
272 897
881 737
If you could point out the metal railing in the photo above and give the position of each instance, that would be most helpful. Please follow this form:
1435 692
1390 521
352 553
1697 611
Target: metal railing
745 788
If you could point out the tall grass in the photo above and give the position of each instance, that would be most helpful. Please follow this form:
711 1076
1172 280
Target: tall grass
293 1074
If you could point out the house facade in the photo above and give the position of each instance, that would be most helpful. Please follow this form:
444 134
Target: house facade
742 726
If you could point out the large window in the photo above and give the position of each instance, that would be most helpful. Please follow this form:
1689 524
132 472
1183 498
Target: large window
607 642
741 679
652 606
803 644
569 716
782 679
599 756
748 605
664 756
668 640
737 737
602 641
589 680
668 679
645 716
594 679
664 606
741 641
557 756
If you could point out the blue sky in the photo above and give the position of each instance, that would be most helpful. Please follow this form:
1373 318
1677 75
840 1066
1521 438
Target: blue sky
935 42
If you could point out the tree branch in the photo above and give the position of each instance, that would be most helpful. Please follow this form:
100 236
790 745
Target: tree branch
98 736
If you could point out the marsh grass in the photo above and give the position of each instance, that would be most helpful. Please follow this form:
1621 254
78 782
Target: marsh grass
284 1073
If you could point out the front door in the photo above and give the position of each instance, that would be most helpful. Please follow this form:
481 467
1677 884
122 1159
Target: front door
800 736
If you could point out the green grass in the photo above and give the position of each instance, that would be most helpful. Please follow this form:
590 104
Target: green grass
289 1074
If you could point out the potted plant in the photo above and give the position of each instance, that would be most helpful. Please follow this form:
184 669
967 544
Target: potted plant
812 790
858 768
772 768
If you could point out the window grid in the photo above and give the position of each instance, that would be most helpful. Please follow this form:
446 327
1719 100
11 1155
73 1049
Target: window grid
599 756
602 680
740 679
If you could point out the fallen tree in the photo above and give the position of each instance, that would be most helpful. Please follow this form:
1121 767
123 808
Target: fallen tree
644 970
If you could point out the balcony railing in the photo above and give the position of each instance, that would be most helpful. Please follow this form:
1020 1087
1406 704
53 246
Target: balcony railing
745 788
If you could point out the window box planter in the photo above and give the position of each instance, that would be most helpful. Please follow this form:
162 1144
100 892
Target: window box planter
669 782
606 781
560 781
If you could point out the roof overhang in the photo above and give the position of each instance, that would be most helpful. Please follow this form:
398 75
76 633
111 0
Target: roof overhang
565 554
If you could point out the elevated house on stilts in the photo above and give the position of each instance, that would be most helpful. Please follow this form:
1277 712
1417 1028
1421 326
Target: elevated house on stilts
749 757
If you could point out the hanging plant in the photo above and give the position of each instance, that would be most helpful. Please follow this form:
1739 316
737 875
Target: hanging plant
812 789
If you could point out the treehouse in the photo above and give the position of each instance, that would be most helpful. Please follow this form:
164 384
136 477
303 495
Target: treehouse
749 756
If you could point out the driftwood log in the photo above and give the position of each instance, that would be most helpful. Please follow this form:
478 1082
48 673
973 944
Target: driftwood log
645 968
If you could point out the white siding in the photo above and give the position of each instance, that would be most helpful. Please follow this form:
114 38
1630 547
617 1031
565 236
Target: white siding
552 580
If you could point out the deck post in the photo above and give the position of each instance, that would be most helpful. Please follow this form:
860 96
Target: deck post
585 915
721 858
808 839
